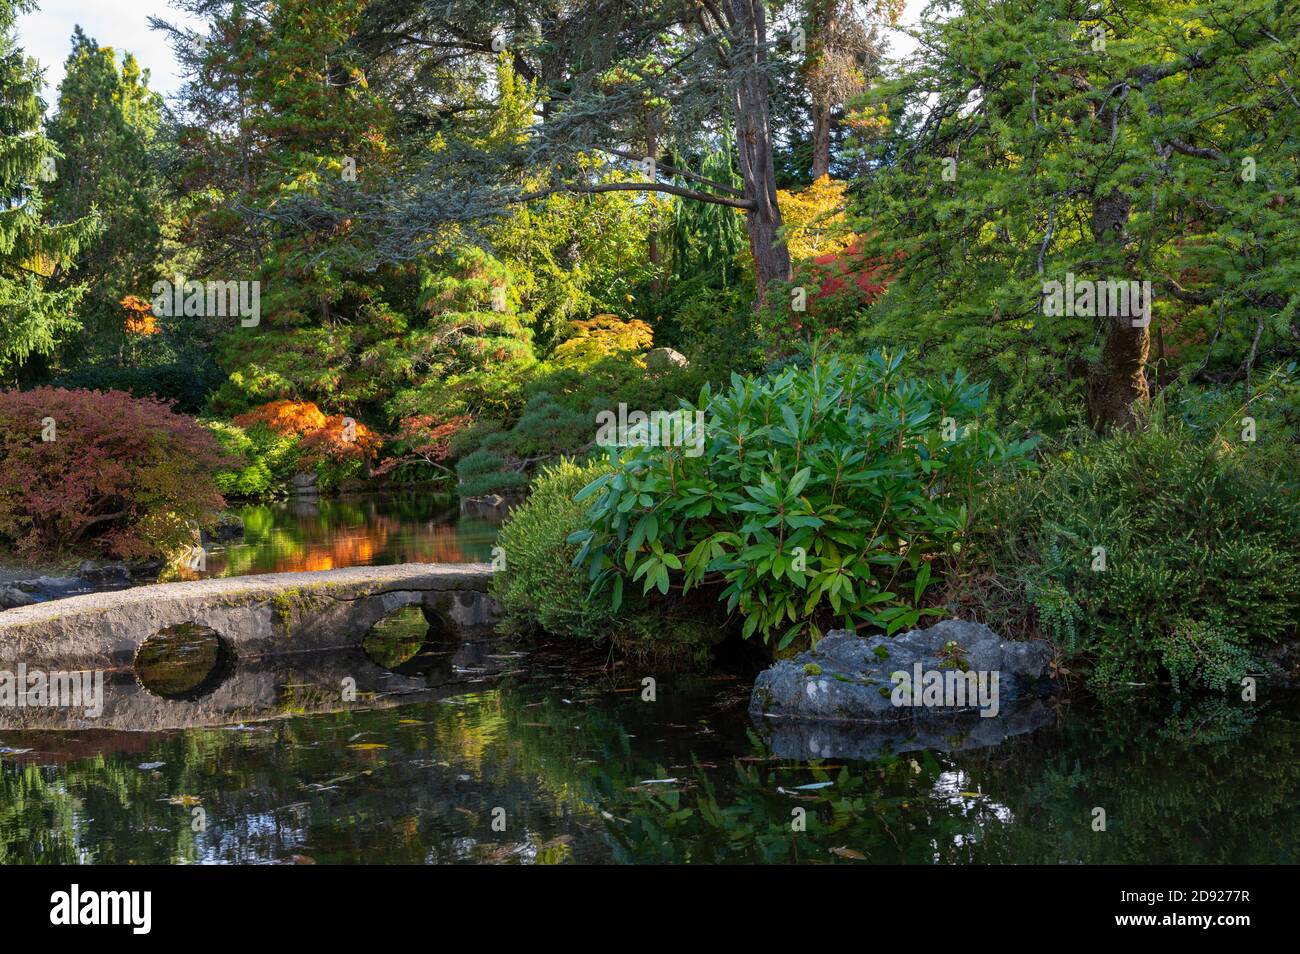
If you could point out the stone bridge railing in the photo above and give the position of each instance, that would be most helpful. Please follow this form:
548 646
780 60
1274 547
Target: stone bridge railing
253 615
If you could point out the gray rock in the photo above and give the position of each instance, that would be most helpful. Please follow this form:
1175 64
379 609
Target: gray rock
104 574
663 359
11 596
229 527
304 484
146 570
848 679
803 740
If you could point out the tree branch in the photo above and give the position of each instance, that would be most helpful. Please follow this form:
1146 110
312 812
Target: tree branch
639 187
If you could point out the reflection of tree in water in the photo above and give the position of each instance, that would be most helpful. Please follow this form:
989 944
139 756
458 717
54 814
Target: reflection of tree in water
1170 797
329 533
583 780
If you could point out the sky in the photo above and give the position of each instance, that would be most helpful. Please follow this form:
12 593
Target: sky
46 34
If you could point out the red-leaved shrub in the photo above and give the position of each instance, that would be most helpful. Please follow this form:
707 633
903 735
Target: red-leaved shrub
127 477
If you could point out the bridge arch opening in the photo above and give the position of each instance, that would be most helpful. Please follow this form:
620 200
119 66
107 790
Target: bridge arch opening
398 638
183 662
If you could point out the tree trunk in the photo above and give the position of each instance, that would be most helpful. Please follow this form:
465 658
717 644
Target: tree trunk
1117 381
821 140
750 95
652 150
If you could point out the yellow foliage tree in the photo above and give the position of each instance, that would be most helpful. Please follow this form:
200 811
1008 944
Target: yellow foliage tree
815 220
600 337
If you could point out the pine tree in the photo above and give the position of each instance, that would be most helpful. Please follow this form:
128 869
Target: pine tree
33 318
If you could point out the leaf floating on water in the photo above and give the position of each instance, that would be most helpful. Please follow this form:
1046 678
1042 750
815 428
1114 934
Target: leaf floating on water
410 722
367 746
189 801
844 852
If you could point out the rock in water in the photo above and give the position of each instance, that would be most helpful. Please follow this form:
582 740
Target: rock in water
11 596
847 678
304 485
229 528
105 575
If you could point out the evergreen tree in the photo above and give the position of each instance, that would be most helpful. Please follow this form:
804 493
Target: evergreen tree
105 128
614 78
1043 141
33 317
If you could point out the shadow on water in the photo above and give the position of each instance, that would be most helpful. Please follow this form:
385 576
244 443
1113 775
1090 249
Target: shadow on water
421 748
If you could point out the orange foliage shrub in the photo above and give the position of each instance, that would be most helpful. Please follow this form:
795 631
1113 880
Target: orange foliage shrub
285 417
816 223
139 316
334 437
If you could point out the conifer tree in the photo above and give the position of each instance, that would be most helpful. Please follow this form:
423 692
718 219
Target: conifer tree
33 317
105 128
1042 141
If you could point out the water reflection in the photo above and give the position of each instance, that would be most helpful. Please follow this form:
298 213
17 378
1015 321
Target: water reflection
584 770
328 533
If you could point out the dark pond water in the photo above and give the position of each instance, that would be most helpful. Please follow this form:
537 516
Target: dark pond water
490 753
328 533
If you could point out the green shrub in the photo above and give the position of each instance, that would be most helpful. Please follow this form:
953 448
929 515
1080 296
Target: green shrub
547 428
186 383
821 496
538 586
1201 540
541 588
471 438
264 459
483 472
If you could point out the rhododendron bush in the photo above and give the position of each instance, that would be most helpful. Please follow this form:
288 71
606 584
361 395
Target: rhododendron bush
104 471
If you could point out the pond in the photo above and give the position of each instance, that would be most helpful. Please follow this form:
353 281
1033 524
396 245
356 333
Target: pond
326 533
501 753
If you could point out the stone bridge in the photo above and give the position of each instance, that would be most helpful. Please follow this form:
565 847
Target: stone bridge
254 615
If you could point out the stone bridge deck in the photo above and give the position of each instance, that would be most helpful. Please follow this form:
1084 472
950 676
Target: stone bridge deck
254 615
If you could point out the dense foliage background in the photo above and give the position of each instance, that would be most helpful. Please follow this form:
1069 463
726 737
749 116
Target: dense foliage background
478 225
